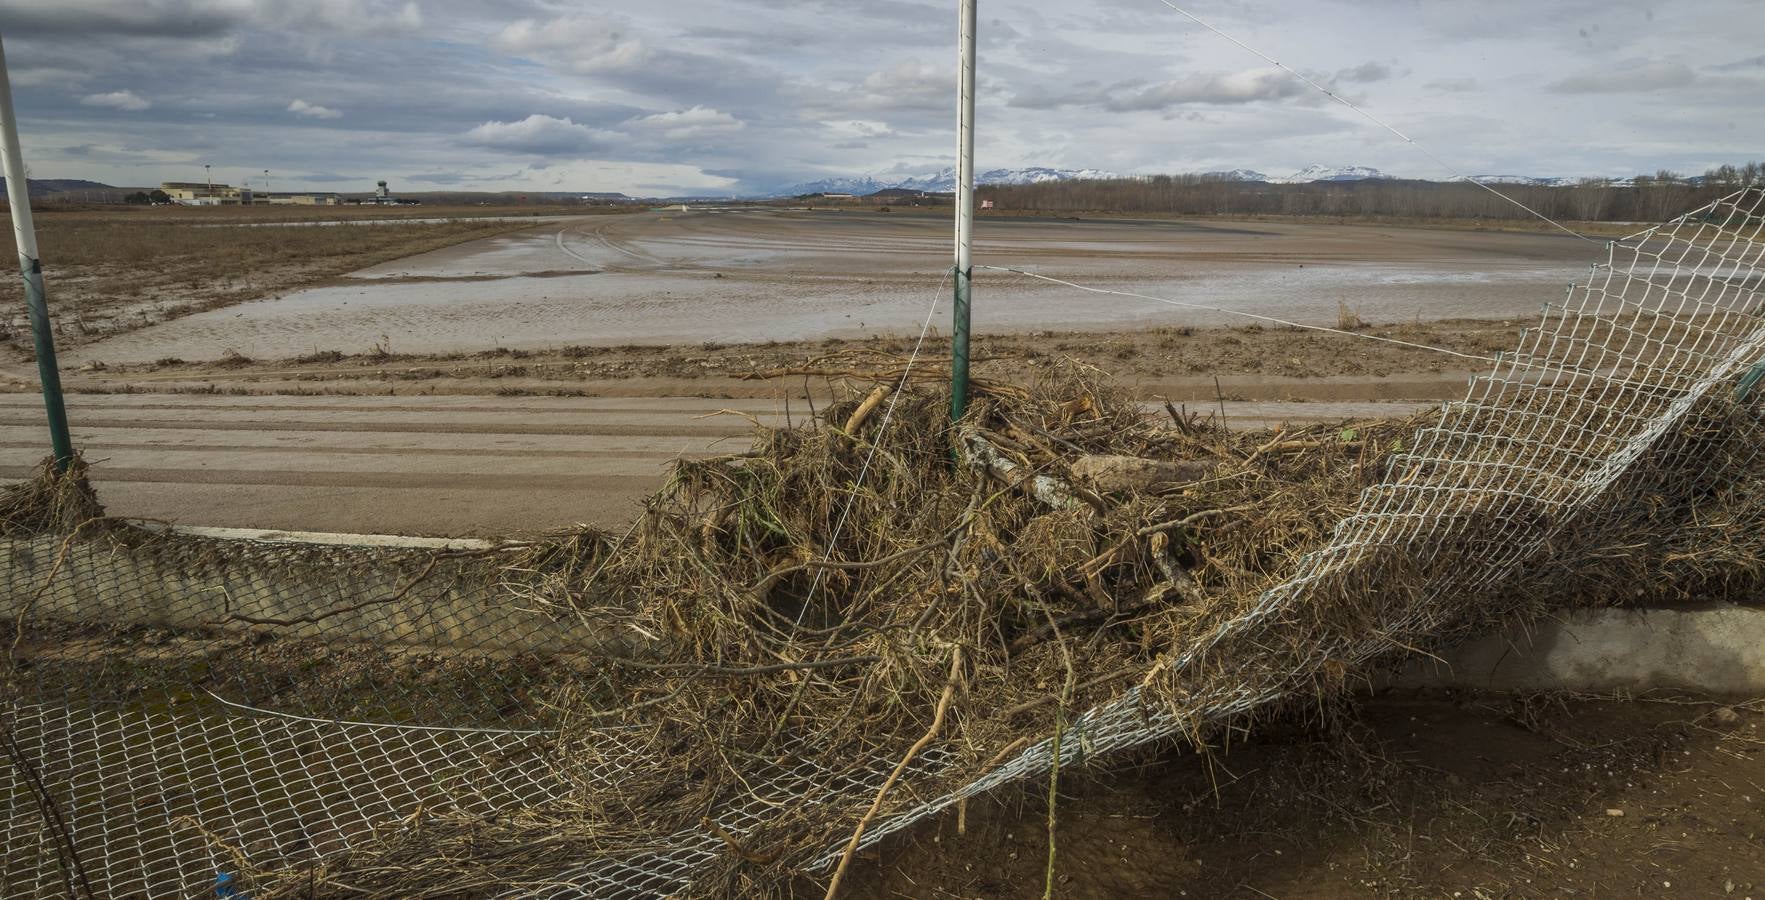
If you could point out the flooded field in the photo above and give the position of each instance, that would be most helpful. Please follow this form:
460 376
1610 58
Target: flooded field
726 276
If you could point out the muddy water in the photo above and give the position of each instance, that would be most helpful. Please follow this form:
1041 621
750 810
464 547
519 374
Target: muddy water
752 275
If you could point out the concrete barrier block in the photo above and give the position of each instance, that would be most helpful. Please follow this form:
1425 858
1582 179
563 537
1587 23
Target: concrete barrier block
1712 649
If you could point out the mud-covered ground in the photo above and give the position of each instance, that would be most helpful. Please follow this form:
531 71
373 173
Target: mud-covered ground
513 441
112 270
1431 795
665 316
752 276
1253 362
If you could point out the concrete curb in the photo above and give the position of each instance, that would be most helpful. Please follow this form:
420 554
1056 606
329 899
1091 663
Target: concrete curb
294 585
1712 649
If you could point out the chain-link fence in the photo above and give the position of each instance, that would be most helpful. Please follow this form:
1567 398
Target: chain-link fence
182 709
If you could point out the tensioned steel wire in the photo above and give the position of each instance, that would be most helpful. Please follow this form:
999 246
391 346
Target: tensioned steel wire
155 737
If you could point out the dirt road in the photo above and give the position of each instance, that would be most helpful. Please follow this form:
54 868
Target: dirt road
439 465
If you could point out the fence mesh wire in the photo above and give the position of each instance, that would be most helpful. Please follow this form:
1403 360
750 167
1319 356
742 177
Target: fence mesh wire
177 708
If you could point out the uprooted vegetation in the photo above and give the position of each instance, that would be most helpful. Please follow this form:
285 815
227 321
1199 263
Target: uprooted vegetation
817 600
848 620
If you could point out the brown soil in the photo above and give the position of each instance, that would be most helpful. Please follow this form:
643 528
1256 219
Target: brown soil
1253 362
117 269
338 449
751 276
1413 796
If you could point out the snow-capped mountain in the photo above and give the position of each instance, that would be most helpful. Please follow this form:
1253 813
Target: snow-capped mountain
1238 175
1306 175
1331 173
938 181
1523 179
860 185
945 180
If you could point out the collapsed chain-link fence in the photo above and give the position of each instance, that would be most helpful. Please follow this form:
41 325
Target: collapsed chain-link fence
181 709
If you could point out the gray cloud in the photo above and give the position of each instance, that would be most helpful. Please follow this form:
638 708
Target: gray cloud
1452 85
127 101
610 51
1636 76
1248 86
692 124
1753 64
717 95
537 134
302 108
909 84
1365 73
461 179
201 18
1217 89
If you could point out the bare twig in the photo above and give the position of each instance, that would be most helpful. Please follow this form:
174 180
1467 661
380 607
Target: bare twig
833 887
315 618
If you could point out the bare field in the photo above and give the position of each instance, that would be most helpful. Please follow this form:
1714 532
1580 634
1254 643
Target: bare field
513 441
1167 362
537 378
752 276
118 269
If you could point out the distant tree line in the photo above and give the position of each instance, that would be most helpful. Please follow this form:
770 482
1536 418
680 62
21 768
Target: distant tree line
1645 198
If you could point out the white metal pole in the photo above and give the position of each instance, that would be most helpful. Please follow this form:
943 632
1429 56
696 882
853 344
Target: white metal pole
24 232
964 210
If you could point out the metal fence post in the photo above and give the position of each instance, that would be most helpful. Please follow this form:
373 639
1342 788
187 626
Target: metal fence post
964 212
18 195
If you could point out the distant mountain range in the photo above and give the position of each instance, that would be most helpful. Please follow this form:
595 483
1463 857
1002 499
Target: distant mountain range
937 182
1312 174
42 187
946 180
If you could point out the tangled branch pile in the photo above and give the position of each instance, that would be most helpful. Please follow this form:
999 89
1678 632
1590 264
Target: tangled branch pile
851 618
815 598
56 501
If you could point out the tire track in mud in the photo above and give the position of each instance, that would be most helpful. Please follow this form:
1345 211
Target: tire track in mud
263 425
443 465
303 478
446 465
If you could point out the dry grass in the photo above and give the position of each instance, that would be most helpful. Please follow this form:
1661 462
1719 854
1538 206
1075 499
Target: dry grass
56 501
1349 319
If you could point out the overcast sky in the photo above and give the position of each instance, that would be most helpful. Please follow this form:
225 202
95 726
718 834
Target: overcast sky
730 96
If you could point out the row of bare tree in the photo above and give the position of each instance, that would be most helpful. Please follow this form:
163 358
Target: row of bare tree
1645 198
